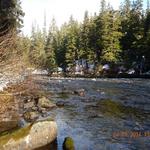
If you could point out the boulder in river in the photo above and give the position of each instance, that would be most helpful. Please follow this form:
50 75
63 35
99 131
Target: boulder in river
68 144
61 104
80 92
46 103
30 137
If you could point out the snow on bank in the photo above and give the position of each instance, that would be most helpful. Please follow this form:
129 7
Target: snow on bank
3 84
7 79
40 72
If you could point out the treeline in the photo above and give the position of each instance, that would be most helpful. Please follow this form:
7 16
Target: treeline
115 37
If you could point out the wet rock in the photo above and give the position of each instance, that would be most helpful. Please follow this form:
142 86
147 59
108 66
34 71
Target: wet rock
30 137
46 103
80 92
34 108
29 105
31 116
68 144
96 116
22 122
43 110
61 103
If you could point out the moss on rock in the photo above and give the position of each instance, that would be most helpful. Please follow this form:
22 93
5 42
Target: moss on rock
15 135
112 108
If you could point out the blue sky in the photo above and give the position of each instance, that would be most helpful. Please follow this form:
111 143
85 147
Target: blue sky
60 9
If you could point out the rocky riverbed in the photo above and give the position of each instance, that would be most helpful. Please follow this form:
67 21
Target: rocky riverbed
101 113
91 113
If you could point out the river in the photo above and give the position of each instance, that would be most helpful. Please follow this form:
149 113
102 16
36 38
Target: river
113 114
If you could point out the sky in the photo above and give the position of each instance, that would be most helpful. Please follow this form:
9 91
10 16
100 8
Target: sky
61 10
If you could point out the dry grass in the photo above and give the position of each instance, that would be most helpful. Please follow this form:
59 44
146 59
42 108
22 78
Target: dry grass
8 107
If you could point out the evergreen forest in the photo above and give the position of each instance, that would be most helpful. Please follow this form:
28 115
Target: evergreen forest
115 37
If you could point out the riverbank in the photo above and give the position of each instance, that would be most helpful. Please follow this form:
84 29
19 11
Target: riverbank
21 104
143 76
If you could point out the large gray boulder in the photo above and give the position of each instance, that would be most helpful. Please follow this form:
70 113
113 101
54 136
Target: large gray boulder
30 137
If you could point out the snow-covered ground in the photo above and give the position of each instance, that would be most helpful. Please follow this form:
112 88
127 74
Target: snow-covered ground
6 79
3 83
40 72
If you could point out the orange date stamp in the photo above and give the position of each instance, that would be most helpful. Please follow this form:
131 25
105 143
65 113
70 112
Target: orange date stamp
130 134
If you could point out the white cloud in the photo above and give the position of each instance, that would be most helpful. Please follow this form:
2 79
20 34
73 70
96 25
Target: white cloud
60 9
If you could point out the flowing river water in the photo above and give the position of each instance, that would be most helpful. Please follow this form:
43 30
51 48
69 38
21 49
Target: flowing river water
111 114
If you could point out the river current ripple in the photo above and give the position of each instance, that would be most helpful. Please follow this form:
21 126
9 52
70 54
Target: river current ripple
106 117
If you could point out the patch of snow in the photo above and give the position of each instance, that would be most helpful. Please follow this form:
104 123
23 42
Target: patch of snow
5 79
59 69
131 71
106 67
3 83
40 72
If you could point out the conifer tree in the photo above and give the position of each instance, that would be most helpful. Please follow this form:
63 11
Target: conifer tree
62 42
37 53
132 29
72 42
10 15
51 46
110 35
84 37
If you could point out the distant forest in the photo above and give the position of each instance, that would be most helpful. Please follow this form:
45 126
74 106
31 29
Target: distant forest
115 37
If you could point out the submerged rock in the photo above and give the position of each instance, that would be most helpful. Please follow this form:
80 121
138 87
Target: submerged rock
68 144
30 137
61 104
117 109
